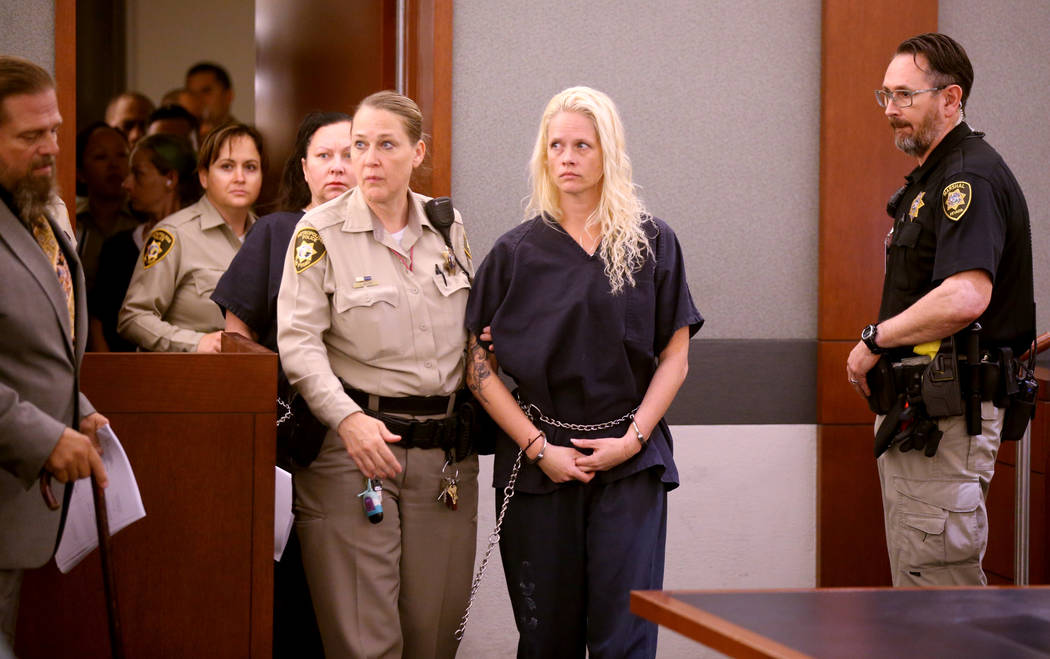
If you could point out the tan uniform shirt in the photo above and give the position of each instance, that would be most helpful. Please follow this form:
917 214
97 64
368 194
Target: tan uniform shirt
354 304
168 307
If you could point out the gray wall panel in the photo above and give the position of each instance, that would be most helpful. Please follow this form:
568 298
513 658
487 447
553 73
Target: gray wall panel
721 104
748 382
27 29
1008 46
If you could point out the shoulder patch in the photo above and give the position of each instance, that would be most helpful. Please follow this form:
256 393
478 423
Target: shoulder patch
956 199
157 247
308 248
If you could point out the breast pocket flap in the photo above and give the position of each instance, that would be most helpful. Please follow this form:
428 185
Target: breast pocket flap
448 285
366 296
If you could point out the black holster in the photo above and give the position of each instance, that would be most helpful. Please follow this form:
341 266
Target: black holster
941 385
1020 390
907 422
300 437
477 431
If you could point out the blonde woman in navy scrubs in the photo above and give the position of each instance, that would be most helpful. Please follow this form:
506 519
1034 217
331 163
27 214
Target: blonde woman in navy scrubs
590 315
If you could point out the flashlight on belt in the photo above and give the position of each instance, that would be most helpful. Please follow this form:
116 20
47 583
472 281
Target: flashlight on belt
372 498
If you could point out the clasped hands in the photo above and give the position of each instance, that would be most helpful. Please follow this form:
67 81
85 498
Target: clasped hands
564 463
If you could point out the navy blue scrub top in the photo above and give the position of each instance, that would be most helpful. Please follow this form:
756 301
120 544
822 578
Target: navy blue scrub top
116 265
249 287
575 350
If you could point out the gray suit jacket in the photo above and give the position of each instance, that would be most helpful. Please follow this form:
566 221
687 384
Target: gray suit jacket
39 386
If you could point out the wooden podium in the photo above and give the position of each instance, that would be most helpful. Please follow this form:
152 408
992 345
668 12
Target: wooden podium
194 578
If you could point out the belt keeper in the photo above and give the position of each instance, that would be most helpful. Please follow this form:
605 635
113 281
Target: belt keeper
373 402
451 403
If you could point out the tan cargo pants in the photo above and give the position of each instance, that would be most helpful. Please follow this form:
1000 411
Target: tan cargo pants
935 514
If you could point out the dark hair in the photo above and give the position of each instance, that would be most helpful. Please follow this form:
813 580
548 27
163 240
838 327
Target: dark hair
294 193
172 111
173 153
211 67
84 137
137 96
949 64
218 138
20 76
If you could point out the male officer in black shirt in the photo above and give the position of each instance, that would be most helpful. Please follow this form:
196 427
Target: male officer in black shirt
959 252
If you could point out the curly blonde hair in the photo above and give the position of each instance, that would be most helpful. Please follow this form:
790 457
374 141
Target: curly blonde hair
620 212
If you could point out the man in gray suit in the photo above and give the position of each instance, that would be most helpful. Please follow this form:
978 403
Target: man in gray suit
43 330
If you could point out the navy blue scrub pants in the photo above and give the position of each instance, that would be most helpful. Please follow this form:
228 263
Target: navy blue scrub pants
572 557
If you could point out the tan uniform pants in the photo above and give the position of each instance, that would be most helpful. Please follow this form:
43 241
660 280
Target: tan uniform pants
397 588
935 514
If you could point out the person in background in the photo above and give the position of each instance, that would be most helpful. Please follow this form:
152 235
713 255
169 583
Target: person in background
168 306
102 166
317 171
591 314
173 120
182 97
163 180
370 331
127 113
212 91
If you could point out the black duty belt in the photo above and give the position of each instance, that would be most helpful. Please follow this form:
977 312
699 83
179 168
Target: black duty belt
432 433
411 405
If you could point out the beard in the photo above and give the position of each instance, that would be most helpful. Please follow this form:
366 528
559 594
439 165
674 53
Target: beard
918 143
32 192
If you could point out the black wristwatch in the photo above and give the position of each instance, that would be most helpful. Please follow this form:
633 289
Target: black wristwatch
868 335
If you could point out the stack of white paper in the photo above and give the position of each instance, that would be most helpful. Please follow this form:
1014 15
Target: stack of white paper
282 511
123 504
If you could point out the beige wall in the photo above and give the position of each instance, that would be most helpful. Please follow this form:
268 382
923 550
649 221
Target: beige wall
166 37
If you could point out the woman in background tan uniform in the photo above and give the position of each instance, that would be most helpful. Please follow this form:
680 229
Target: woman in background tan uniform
168 306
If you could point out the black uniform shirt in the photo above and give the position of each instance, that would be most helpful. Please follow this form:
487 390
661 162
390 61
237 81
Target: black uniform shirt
249 287
576 351
962 210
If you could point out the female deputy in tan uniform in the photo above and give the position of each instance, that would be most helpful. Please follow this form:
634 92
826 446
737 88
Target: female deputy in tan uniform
372 296
168 306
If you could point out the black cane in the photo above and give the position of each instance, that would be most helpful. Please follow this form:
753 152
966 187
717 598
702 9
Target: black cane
116 643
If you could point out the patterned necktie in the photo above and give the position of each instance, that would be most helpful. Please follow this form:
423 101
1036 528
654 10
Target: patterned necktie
45 237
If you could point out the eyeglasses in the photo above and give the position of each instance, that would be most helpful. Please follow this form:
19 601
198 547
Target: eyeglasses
902 98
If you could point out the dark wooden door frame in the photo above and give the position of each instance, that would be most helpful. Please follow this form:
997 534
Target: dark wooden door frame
428 81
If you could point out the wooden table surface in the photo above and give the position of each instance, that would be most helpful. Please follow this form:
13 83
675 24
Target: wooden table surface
868 622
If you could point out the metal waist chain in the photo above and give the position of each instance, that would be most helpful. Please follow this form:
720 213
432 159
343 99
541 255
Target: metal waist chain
287 411
508 492
533 413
